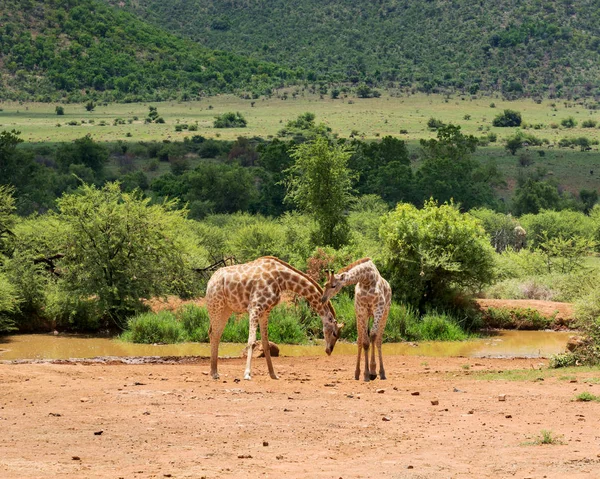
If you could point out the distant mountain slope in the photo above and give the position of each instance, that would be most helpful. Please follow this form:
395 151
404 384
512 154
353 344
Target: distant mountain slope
80 49
516 46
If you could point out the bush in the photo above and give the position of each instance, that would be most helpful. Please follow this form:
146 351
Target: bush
515 318
230 120
434 124
589 124
508 118
195 322
151 328
434 252
8 303
438 327
569 122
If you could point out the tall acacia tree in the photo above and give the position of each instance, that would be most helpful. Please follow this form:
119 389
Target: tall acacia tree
320 184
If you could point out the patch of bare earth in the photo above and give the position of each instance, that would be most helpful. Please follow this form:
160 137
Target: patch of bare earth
430 419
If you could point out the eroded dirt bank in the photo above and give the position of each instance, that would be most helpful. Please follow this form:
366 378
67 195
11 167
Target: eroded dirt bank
172 420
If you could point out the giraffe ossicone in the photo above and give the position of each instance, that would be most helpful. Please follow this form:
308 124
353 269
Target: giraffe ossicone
256 288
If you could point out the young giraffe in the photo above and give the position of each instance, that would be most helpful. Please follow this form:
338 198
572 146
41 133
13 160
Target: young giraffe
372 298
256 287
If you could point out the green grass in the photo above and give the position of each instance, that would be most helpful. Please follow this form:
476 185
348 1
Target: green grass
545 438
538 374
373 117
587 397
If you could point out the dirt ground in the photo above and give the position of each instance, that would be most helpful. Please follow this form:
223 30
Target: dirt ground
316 421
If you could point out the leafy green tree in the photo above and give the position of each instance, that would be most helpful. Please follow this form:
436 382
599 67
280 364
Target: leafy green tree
83 151
500 228
514 143
9 303
121 248
449 172
569 122
508 118
7 218
589 198
547 225
90 106
534 195
60 110
435 252
320 184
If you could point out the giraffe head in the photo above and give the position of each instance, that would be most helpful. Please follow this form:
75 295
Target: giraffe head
331 332
334 283
331 328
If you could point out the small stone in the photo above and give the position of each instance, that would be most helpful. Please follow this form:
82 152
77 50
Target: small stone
386 418
279 457
416 393
265 443
329 385
98 433
508 416
167 475
85 399
434 402
76 458
502 397
410 467
244 456
471 411
380 391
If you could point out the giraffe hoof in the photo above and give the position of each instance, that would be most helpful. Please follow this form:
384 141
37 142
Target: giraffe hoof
247 377
372 376
215 376
274 376
382 377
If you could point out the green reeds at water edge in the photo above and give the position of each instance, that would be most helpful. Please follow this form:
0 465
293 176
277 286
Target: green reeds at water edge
289 324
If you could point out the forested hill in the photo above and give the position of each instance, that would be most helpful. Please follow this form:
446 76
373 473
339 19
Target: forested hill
80 49
515 46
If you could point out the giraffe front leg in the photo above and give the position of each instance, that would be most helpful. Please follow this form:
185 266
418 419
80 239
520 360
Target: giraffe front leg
372 364
264 334
381 370
250 346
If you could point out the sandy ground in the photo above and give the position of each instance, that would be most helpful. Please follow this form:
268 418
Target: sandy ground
316 421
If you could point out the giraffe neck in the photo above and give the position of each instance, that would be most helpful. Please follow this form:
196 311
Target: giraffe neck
292 281
363 273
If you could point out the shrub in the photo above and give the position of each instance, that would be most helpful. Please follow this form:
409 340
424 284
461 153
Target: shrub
434 124
515 318
60 110
8 303
195 322
151 328
434 252
589 124
569 122
508 118
439 327
230 120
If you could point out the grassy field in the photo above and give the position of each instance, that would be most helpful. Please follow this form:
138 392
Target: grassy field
371 118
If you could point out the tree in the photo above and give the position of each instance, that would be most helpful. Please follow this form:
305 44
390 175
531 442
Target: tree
90 106
508 118
60 110
7 218
320 184
435 252
514 143
84 151
534 195
121 248
449 172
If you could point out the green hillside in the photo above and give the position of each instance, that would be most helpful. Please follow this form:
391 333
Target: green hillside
534 47
82 49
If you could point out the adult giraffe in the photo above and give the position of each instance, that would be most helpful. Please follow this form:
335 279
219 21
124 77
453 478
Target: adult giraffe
372 298
256 287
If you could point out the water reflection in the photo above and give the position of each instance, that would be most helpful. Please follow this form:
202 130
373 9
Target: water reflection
63 346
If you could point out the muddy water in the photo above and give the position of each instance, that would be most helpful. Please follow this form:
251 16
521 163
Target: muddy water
504 344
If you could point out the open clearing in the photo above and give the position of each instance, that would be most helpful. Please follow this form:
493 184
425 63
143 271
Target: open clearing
172 420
